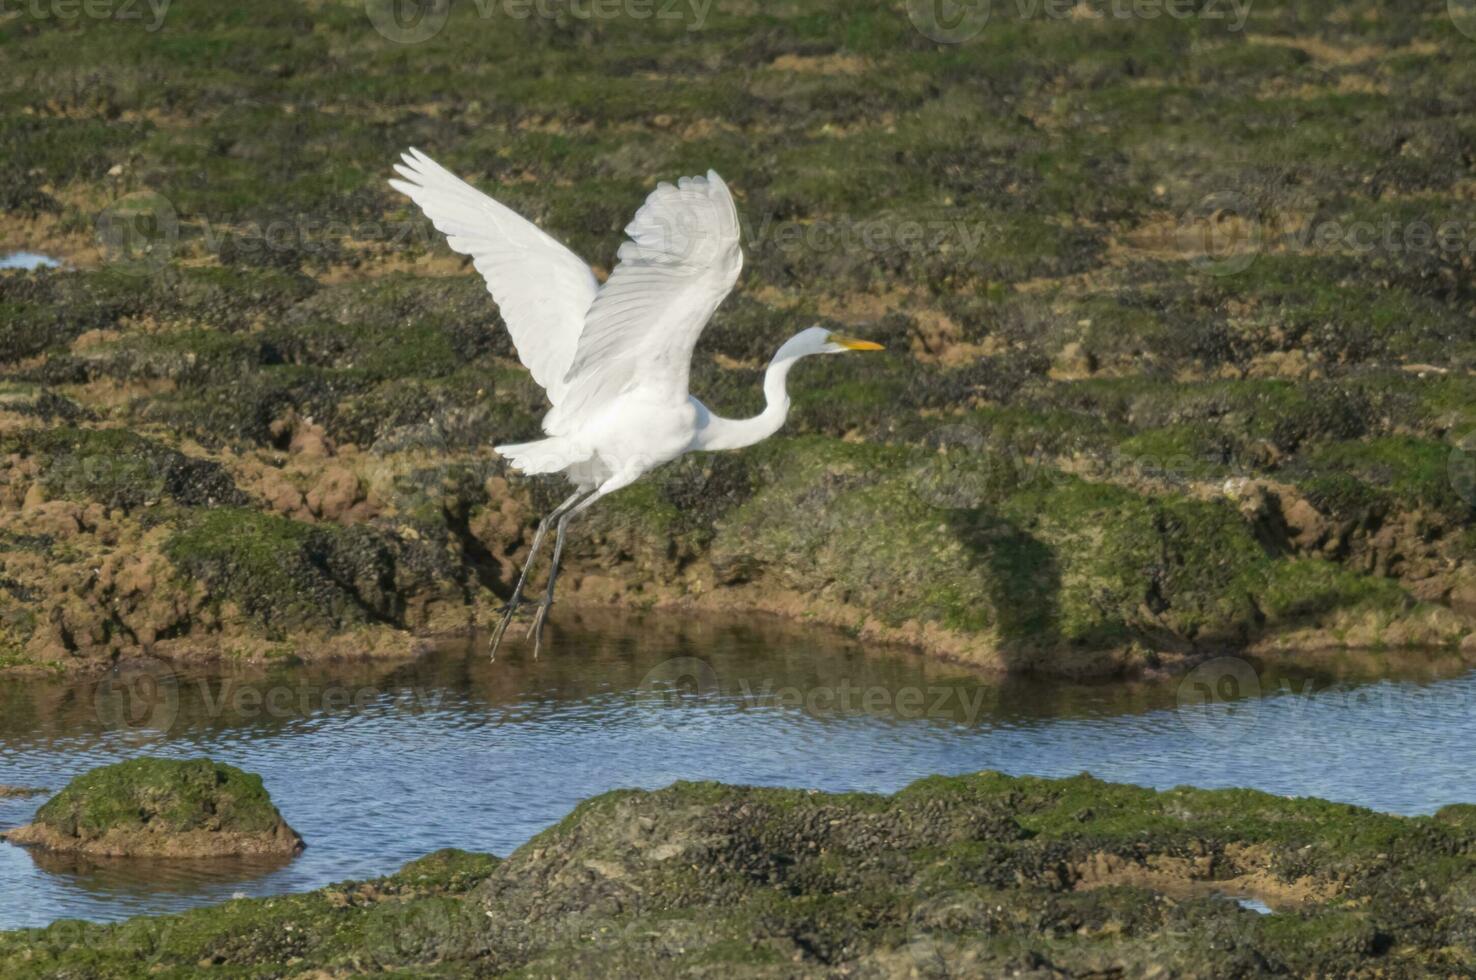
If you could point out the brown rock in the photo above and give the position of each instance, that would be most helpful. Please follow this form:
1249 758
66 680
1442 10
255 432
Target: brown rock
310 440
57 517
336 491
1073 363
35 497
280 494
1293 364
1463 594
1306 523
281 840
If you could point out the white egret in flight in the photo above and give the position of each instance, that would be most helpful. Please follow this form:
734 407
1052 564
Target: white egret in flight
613 358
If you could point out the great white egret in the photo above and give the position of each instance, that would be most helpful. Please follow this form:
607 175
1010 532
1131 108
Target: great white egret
613 358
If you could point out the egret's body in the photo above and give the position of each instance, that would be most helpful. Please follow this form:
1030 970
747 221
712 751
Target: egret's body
613 358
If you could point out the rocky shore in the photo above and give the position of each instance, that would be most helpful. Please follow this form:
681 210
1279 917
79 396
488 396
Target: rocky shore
161 808
981 875
250 415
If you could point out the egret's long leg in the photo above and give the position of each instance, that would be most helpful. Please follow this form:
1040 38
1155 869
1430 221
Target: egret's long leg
609 486
517 594
536 629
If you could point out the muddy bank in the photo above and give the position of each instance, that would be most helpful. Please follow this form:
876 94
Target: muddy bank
120 547
250 418
963 876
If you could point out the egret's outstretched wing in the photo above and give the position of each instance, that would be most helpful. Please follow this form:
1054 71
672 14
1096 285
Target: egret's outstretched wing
682 258
543 289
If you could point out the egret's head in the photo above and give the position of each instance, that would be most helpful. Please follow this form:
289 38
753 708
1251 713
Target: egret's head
819 340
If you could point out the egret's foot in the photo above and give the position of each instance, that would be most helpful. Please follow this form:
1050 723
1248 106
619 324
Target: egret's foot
508 611
536 630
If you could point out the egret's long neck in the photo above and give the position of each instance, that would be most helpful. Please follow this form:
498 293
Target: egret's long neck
721 433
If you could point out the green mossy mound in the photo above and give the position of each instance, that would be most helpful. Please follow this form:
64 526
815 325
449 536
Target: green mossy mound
982 875
161 808
288 575
1093 443
121 469
47 312
1043 570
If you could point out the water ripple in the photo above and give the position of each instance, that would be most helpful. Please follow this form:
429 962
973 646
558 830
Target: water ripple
452 751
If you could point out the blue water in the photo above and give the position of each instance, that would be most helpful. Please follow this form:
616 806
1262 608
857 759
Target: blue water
378 764
27 260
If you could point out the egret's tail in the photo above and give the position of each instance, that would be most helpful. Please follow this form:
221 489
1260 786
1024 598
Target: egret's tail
553 455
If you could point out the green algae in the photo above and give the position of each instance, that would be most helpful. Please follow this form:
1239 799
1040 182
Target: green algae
121 469
1042 561
287 575
989 542
1037 493
1303 589
165 795
268 564
960 875
1408 470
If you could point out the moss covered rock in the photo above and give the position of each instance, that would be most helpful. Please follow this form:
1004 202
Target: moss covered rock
992 558
161 808
1151 450
120 469
967 876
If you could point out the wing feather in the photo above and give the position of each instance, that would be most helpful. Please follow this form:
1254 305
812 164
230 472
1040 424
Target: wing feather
542 289
681 259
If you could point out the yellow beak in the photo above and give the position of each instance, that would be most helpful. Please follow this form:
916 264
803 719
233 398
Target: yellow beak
851 343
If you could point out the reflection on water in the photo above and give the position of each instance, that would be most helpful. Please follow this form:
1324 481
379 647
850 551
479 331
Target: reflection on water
107 877
378 763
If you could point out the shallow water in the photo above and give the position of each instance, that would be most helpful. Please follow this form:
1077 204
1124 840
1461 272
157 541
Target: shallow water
28 261
376 764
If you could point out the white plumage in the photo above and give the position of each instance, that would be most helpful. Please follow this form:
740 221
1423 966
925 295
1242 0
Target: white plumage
542 289
614 359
